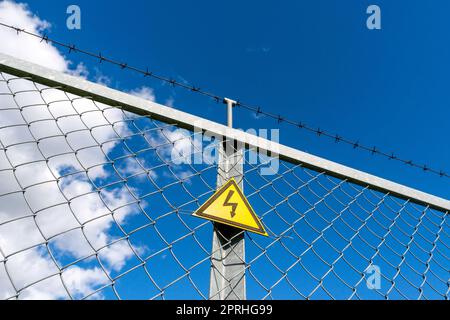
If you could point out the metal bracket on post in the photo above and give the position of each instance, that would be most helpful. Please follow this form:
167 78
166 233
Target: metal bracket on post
230 105
228 258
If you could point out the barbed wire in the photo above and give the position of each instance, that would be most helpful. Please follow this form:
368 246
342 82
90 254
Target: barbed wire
354 143
72 48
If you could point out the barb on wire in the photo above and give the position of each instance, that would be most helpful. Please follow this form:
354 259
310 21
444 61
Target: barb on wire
217 98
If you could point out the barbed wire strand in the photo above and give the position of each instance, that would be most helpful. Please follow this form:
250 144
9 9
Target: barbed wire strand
72 48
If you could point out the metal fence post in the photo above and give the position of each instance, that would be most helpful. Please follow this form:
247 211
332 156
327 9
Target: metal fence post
227 280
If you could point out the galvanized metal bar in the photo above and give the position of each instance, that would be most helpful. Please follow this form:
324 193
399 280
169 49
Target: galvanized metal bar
138 105
227 280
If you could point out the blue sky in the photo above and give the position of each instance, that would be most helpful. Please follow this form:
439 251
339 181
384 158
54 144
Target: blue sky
311 61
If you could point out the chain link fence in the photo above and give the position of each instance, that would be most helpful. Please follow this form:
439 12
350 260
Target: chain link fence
96 203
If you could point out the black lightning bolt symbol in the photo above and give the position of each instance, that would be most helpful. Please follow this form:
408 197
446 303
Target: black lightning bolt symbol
233 205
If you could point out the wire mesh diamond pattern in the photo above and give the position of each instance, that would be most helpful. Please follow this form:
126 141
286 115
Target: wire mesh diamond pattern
96 203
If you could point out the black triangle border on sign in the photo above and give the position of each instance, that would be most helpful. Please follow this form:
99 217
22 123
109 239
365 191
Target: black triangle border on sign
200 212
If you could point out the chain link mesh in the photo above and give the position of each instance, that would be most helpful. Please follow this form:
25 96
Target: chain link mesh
96 203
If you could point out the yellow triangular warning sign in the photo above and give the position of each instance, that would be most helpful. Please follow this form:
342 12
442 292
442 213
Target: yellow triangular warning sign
228 205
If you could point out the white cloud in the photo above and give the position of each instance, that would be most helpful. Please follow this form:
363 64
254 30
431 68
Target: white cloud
131 167
30 48
183 147
24 259
102 79
80 71
27 48
170 102
33 265
144 92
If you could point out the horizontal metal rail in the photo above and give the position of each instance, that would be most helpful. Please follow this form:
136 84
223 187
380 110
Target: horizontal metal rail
100 93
